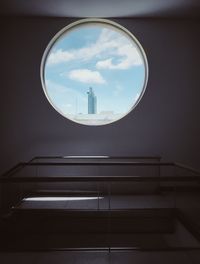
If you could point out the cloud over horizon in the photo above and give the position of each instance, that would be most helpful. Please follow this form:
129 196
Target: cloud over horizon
86 76
108 46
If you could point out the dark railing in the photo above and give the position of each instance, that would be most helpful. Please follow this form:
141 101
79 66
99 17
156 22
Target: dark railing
98 161
80 161
190 175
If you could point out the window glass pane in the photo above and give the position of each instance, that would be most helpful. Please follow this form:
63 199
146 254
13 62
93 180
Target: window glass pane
94 72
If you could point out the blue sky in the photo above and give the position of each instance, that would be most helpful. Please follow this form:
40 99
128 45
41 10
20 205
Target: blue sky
98 57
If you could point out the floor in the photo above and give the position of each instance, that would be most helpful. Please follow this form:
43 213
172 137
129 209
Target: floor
136 257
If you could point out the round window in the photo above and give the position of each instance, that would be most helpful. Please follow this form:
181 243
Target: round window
94 72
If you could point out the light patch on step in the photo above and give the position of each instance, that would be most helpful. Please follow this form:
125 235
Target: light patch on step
59 199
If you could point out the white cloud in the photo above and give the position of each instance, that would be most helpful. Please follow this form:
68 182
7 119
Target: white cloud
60 56
86 76
110 44
104 64
129 57
105 42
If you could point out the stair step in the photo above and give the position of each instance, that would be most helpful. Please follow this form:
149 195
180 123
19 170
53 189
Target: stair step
90 221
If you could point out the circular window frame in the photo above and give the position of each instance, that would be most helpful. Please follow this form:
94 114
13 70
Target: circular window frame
102 21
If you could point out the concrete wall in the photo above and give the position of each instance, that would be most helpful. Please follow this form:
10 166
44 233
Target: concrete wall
166 121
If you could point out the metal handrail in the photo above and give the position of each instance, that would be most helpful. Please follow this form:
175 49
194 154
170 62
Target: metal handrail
100 163
188 168
100 179
97 157
21 165
110 161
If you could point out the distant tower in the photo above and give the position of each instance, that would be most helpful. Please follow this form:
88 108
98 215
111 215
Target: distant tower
92 102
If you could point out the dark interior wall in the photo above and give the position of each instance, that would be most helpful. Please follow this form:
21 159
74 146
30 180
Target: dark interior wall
166 121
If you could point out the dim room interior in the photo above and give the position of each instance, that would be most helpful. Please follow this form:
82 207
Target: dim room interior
100 131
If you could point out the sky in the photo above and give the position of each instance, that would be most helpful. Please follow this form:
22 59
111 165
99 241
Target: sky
97 56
